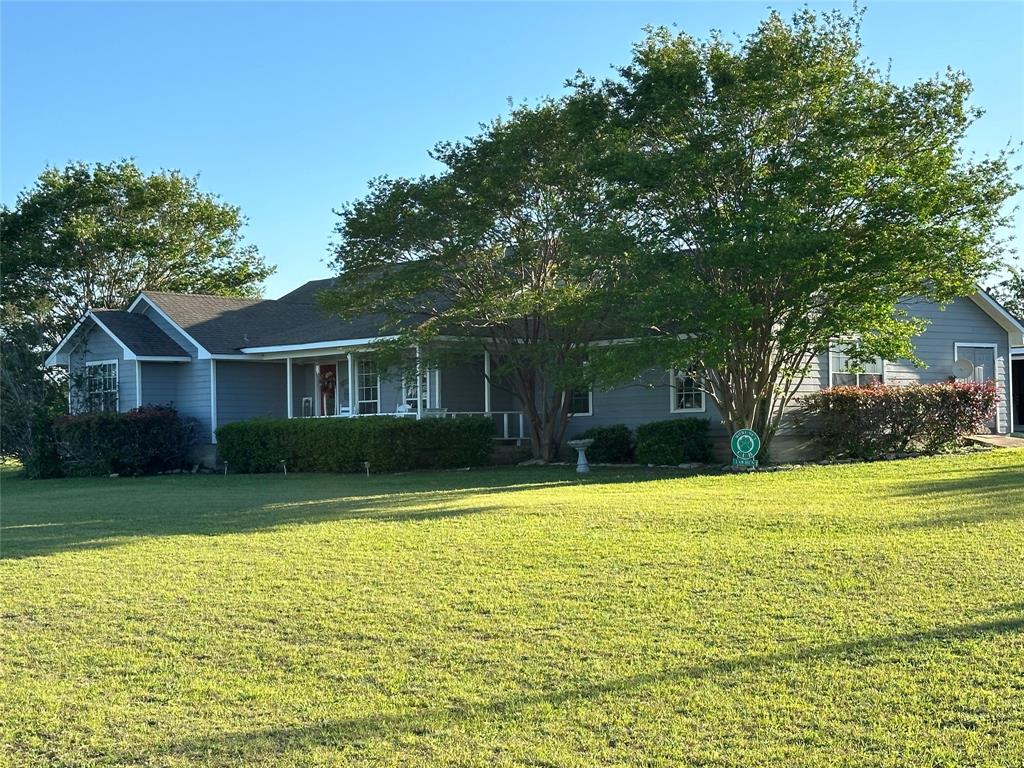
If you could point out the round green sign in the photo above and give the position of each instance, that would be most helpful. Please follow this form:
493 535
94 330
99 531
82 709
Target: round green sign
745 444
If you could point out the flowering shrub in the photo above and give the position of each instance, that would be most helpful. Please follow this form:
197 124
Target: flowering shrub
867 422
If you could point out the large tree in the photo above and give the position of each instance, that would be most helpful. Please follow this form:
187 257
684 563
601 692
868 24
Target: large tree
1010 291
94 236
793 194
513 248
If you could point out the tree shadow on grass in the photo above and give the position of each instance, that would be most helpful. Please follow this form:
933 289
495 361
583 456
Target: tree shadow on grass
968 497
396 726
44 517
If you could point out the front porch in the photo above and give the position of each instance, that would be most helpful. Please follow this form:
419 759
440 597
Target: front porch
353 384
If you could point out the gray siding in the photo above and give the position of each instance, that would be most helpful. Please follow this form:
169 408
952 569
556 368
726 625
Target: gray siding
160 383
962 322
194 396
96 345
250 391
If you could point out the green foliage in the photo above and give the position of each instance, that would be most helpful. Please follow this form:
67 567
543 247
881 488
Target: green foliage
673 441
389 444
1010 292
94 236
801 195
499 249
868 422
139 442
613 444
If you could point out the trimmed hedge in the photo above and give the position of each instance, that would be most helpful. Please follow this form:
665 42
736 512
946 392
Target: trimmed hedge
868 422
138 442
388 443
612 444
675 441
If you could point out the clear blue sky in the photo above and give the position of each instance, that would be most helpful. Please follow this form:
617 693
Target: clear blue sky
287 110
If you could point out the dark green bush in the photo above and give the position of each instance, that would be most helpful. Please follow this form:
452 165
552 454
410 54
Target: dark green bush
675 441
390 444
868 422
138 442
612 444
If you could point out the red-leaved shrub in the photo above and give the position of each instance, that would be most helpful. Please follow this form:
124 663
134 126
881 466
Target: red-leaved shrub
867 422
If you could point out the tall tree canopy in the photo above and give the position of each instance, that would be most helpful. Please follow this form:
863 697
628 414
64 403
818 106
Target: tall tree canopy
515 248
94 236
793 194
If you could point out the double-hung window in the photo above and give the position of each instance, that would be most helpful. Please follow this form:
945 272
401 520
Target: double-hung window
581 402
687 392
101 386
844 373
368 380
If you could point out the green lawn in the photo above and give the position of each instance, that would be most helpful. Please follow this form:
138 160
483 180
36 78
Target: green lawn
850 615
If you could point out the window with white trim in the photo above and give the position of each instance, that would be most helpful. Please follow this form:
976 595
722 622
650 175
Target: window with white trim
368 382
687 392
100 385
581 402
844 373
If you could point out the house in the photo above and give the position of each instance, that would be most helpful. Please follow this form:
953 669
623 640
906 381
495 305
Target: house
221 360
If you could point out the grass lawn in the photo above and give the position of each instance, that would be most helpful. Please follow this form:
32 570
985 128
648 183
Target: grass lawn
858 615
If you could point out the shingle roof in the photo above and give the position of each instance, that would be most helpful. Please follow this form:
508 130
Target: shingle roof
140 334
226 325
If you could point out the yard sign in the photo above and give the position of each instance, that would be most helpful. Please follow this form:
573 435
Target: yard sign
745 444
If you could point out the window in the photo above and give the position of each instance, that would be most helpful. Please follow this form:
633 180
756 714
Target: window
411 392
368 387
101 386
687 392
843 373
581 402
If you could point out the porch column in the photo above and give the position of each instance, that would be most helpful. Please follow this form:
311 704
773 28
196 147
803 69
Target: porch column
351 385
487 382
288 376
337 387
316 390
419 383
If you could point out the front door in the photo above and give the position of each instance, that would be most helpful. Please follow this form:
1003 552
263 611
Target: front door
327 389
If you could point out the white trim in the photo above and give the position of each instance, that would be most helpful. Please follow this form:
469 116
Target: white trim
138 383
359 400
828 366
995 377
419 383
213 401
291 394
487 381
997 312
51 359
117 375
318 345
201 352
674 397
350 358
590 404
162 359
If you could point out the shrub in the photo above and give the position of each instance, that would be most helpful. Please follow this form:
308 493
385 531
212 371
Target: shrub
389 444
868 422
141 441
675 441
612 444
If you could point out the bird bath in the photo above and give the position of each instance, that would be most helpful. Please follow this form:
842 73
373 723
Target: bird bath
581 449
